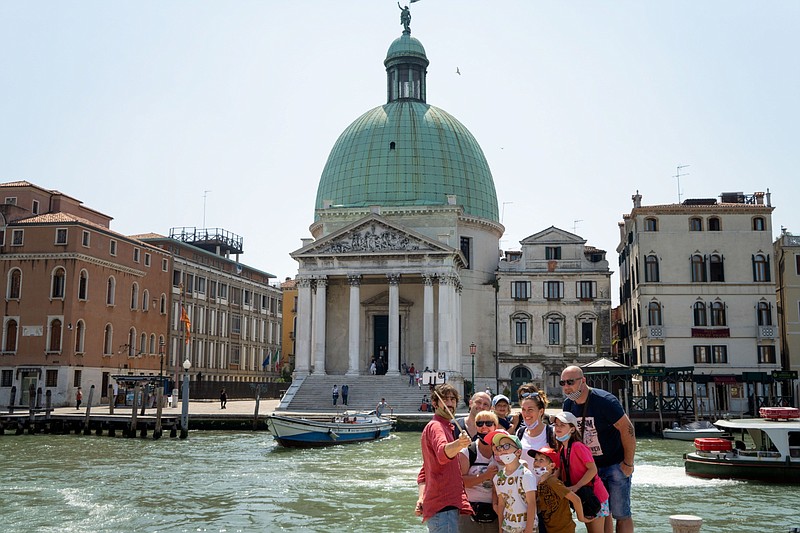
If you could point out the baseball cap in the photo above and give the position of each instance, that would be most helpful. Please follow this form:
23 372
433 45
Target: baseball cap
567 418
549 452
500 397
498 434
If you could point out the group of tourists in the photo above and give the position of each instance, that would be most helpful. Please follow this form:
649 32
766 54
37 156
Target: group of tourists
523 471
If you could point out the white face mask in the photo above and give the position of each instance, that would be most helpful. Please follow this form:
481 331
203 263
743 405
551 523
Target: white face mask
534 425
507 458
539 470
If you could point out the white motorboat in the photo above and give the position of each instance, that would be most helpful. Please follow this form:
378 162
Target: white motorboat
694 430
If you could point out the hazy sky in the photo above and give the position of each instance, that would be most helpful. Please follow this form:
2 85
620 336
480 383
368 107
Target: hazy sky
138 108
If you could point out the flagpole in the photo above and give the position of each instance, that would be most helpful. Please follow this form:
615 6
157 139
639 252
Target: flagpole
179 355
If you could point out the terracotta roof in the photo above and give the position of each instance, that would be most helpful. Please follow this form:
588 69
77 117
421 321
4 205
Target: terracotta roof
141 236
55 218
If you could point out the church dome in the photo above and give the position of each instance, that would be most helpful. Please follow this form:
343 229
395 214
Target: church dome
407 152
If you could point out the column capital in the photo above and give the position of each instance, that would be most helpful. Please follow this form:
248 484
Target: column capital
304 282
394 279
321 281
354 280
427 279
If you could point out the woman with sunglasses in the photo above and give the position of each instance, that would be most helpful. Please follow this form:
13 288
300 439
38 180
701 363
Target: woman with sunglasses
478 467
534 432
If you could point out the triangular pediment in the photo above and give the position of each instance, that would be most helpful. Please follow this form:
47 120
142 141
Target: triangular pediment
373 235
553 235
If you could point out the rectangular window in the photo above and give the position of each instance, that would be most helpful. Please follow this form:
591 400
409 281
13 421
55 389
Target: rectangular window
200 285
2 238
17 237
587 290
553 290
61 235
587 333
112 247
797 264
177 276
521 332
77 378
719 354
766 354
35 207
521 290
552 252
554 333
212 290
655 354
86 238
223 291
51 378
248 297
236 355
466 249
12 200
136 255
188 283
147 260
236 324
702 354
236 296
165 265
7 378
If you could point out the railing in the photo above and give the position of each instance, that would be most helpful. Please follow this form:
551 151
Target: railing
766 332
669 404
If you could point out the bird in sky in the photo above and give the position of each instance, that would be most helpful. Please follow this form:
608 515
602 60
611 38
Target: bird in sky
458 71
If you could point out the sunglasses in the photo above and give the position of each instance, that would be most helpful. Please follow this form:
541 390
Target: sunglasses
506 446
568 381
530 394
481 423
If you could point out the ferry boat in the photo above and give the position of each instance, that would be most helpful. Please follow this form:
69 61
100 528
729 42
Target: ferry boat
693 430
774 457
344 428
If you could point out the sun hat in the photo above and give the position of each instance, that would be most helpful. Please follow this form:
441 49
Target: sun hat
500 397
567 418
549 452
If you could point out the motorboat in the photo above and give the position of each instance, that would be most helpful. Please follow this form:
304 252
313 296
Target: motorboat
343 428
774 456
693 430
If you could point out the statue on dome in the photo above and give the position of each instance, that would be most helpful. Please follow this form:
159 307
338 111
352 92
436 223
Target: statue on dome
405 18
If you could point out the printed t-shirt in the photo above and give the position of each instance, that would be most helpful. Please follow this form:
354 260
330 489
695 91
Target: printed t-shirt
600 435
553 506
513 488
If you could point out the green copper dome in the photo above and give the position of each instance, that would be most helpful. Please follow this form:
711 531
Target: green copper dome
407 152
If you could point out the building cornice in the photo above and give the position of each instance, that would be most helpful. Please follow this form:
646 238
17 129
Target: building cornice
73 257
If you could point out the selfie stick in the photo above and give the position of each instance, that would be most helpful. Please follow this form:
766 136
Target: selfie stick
449 412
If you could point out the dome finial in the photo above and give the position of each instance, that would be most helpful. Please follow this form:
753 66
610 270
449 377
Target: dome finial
405 18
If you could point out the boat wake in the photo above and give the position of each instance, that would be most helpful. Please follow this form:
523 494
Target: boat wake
673 476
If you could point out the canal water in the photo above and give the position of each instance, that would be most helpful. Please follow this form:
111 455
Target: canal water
231 482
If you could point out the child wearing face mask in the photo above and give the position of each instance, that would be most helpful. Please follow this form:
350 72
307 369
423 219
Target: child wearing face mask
577 465
552 497
515 485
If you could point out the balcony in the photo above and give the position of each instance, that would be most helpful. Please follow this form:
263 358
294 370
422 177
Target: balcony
654 332
767 332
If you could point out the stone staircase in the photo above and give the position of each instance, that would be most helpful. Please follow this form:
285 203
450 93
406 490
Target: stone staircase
313 393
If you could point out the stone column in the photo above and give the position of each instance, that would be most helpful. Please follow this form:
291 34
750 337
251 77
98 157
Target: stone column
443 358
319 325
428 341
354 325
394 325
302 359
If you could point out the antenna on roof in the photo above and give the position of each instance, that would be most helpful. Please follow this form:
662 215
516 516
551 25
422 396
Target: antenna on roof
205 194
503 212
575 224
678 175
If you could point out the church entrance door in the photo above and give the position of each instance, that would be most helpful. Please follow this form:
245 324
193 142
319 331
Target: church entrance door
380 342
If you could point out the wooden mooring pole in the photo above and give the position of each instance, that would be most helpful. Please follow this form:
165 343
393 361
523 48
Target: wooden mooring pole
87 417
134 411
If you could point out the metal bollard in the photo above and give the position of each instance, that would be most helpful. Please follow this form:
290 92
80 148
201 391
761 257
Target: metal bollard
685 523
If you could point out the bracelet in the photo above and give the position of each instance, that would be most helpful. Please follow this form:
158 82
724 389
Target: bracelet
626 464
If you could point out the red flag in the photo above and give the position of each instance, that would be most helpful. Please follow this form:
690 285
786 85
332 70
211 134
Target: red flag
186 323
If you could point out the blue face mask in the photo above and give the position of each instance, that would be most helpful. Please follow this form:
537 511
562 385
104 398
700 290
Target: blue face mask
563 438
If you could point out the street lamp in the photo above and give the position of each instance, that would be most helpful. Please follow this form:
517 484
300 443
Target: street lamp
472 350
185 406
161 344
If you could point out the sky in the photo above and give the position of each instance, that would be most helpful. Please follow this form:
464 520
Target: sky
212 114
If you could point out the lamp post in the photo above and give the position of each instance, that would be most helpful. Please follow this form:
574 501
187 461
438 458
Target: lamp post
161 344
185 407
472 350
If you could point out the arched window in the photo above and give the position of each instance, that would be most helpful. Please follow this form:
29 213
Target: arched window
80 335
57 283
716 268
134 295
145 300
111 289
651 224
698 268
143 343
83 285
10 336
695 224
520 323
152 343
700 316
718 314
14 284
108 340
54 336
131 342
714 224
651 268
764 314
760 267
163 304
654 313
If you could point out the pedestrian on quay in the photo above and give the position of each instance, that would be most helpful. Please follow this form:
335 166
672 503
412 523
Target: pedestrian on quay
78 398
609 434
335 394
223 399
419 380
373 368
441 490
345 393
382 406
412 375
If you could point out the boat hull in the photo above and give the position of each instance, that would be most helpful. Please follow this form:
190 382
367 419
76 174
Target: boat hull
682 434
729 466
303 433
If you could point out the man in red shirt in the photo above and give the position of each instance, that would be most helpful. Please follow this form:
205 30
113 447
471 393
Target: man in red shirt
441 487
